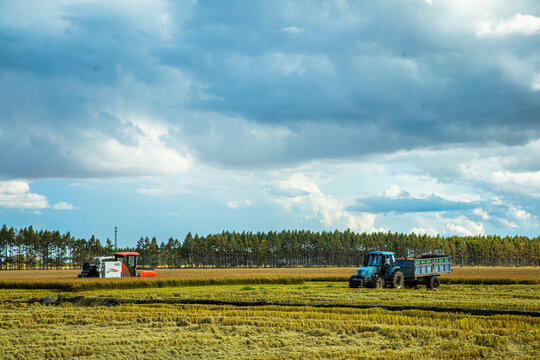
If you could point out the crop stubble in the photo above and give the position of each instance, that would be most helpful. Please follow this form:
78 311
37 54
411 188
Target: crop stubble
272 332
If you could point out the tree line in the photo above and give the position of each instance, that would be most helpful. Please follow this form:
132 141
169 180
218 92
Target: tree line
43 249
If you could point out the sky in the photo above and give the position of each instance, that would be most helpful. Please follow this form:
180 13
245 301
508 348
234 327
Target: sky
169 117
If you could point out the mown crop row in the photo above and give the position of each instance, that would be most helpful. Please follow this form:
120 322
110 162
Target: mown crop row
102 284
504 297
271 332
135 283
515 273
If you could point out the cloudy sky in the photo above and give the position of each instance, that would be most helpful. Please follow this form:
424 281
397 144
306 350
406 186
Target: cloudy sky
166 117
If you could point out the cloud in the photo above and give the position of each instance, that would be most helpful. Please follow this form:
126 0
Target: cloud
16 195
481 213
238 204
154 191
519 214
157 91
293 30
287 192
319 207
517 24
431 203
463 226
522 182
64 206
83 85
535 85
422 231
394 192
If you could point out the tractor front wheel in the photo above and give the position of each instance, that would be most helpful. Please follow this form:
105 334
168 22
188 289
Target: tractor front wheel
396 280
378 283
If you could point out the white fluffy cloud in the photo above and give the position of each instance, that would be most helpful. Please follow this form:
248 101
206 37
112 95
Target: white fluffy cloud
238 204
317 206
16 195
147 154
395 191
419 230
517 24
481 213
464 226
62 205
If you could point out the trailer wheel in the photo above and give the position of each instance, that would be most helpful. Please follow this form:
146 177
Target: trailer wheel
396 280
433 282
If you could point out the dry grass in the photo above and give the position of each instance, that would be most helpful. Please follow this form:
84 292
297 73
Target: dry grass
188 273
516 273
66 280
271 332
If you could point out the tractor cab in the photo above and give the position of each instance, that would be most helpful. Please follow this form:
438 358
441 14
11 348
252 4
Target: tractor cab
380 259
129 262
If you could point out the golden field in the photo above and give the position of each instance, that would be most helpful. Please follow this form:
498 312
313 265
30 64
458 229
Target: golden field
91 330
515 273
92 326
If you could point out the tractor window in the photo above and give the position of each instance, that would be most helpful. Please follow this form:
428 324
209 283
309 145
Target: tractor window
130 261
375 260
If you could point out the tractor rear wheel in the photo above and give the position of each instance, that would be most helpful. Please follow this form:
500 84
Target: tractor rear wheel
433 282
396 280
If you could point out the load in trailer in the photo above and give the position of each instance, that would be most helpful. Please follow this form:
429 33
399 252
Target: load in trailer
122 264
382 269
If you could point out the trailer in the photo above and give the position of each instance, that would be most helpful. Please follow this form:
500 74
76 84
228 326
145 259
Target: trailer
425 269
381 269
121 264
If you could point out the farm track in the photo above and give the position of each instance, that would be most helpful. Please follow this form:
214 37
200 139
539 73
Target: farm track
112 301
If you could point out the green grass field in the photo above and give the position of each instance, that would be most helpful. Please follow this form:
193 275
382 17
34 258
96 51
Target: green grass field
88 329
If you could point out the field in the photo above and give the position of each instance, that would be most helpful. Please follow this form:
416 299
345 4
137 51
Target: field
258 314
478 272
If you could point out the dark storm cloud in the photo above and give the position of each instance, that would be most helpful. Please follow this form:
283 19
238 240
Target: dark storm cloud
318 80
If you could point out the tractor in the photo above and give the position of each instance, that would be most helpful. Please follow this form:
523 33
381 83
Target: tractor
379 271
382 269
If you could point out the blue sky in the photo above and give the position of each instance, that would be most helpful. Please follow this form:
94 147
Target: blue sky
163 117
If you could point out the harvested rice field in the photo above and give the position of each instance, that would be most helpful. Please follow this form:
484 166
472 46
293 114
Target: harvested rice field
273 319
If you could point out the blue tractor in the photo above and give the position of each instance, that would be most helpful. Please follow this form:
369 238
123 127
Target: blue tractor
382 269
379 270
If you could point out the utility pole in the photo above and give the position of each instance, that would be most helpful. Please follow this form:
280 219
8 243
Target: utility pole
115 238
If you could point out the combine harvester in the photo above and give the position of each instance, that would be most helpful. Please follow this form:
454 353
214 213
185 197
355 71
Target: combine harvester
382 269
122 264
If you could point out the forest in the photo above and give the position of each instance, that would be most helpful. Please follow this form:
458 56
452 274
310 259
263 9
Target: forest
43 249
